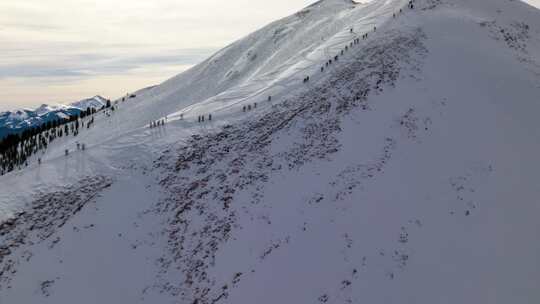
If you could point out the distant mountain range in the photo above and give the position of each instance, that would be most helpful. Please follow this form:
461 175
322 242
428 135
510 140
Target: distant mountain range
17 121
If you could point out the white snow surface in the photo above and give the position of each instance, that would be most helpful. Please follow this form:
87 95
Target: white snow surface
406 172
96 102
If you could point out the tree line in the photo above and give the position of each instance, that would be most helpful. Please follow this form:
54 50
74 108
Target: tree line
17 148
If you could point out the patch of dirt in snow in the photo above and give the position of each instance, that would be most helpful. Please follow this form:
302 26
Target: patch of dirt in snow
515 35
206 177
45 287
352 177
465 186
428 4
393 260
41 219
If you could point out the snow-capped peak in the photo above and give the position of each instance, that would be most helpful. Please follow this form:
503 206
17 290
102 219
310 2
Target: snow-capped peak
95 102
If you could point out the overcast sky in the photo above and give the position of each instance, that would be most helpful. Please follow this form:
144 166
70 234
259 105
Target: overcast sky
58 51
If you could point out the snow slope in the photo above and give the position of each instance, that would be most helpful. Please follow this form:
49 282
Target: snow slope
404 173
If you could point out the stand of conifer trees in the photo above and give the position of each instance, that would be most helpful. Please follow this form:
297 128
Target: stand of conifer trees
16 149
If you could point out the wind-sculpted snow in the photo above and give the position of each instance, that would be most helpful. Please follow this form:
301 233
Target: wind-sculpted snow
39 222
217 180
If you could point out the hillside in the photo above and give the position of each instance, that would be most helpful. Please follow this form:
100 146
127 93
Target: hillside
403 172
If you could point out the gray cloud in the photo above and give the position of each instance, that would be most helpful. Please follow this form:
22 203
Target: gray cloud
92 64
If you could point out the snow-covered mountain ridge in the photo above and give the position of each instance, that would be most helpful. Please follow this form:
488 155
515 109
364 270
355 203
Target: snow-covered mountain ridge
403 172
19 120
